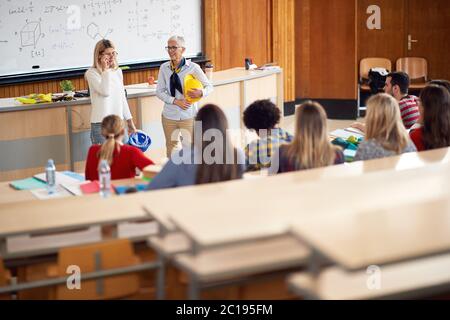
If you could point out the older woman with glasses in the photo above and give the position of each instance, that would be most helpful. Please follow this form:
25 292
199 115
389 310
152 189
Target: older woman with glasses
178 114
105 80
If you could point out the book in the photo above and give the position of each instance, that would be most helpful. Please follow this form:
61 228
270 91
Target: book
42 194
27 184
61 178
346 133
130 189
92 187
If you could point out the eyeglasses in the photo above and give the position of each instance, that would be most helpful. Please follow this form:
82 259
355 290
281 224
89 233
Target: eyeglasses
172 48
112 54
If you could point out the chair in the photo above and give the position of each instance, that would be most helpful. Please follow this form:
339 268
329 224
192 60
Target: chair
95 257
416 68
5 278
368 63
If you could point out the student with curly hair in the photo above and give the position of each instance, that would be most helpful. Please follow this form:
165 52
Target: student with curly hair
263 117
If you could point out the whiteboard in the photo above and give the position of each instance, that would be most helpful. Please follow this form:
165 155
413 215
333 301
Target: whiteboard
53 35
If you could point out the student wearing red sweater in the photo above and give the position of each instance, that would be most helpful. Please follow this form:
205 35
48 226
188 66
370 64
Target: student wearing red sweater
434 131
123 159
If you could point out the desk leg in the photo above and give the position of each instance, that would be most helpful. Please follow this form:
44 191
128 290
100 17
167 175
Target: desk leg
160 278
193 288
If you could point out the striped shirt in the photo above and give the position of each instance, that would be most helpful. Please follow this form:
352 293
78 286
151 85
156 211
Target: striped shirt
409 109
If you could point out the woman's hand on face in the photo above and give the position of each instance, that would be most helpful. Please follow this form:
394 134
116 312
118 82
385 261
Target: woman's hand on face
105 62
183 104
195 93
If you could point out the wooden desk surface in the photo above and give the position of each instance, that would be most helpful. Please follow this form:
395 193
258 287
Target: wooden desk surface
380 236
162 211
265 207
9 195
66 213
250 208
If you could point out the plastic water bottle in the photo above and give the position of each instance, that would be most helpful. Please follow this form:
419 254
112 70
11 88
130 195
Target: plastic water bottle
105 179
50 176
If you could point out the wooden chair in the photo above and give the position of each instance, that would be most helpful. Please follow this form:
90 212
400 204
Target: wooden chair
5 278
368 63
100 256
416 68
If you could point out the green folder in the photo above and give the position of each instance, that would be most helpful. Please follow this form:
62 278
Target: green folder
27 184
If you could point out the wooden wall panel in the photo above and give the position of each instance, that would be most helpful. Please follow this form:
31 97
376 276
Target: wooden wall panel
283 42
389 42
243 32
429 24
326 39
130 77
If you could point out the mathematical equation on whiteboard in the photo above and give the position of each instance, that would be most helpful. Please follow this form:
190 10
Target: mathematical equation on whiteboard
58 27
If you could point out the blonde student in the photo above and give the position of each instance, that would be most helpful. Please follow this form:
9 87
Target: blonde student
311 147
123 159
107 91
385 133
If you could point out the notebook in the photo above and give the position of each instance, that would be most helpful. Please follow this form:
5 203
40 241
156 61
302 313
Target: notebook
60 178
346 133
137 187
92 187
27 184
42 194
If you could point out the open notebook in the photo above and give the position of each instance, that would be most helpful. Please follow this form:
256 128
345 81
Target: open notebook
68 184
346 133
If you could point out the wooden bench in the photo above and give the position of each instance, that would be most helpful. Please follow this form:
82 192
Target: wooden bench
238 261
415 279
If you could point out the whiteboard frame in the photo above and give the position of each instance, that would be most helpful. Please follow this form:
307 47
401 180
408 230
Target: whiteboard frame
70 73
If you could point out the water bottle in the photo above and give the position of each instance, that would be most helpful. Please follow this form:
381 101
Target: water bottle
105 179
50 176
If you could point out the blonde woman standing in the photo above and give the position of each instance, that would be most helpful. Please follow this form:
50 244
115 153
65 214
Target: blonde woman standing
122 158
311 147
385 133
107 92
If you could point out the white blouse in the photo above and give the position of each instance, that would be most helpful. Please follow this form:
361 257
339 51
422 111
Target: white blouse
107 94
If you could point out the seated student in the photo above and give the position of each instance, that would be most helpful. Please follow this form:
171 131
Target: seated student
443 83
210 159
397 85
418 124
263 117
385 133
311 147
435 119
123 159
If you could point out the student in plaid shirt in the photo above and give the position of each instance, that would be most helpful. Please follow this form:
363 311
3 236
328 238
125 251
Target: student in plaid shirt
263 117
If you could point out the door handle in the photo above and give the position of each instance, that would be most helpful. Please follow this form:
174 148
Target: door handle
411 41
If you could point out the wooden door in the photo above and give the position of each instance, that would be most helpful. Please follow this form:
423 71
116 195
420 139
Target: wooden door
428 22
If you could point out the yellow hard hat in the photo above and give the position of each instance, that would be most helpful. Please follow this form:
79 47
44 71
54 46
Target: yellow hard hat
191 83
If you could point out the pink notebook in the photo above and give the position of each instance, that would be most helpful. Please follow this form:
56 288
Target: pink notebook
92 187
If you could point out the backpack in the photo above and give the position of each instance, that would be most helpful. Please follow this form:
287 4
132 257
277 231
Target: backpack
377 79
